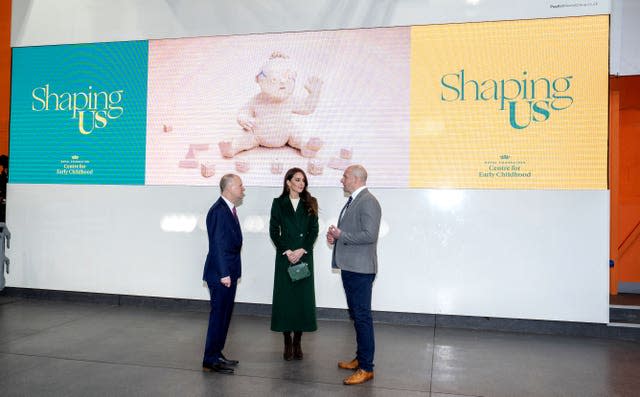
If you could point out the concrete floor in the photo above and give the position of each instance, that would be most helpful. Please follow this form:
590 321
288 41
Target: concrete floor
50 348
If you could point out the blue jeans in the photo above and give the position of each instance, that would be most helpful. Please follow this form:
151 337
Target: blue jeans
357 288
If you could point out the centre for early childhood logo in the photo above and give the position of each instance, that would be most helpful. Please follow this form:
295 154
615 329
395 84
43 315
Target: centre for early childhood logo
75 166
92 108
530 100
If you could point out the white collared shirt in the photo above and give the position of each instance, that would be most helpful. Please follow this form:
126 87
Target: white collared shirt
357 191
229 203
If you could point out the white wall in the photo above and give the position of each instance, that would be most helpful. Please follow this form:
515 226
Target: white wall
503 253
517 254
625 38
39 22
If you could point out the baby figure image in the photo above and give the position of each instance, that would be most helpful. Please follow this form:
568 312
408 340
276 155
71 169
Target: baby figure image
268 118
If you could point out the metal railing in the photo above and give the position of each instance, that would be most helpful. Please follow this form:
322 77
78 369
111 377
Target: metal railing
5 238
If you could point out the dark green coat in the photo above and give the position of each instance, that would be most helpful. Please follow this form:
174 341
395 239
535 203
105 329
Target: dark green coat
294 303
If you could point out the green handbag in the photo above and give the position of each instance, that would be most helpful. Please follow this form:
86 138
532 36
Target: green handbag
299 271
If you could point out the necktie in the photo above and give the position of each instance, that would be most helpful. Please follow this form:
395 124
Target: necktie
345 208
235 214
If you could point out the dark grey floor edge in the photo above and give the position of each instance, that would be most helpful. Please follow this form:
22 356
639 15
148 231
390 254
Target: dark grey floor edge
67 296
544 327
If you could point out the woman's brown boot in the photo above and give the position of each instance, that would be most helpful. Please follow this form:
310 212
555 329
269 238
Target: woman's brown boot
288 346
297 348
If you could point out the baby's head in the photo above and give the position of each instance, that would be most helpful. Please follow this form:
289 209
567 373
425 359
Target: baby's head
277 77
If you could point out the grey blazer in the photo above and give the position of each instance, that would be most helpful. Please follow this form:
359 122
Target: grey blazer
356 249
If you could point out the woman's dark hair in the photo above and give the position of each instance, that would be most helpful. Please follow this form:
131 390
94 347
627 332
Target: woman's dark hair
310 203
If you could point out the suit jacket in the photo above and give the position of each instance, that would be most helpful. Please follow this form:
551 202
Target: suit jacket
225 244
356 249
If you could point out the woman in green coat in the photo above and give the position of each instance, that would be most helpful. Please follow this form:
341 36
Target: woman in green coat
293 228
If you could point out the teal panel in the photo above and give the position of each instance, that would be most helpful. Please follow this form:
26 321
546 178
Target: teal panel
78 114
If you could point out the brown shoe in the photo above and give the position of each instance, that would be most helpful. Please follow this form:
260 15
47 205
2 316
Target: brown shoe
353 364
358 377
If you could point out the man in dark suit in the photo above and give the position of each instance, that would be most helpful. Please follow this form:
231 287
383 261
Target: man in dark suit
222 270
355 242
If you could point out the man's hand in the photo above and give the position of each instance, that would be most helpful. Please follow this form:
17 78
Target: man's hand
334 232
226 281
330 239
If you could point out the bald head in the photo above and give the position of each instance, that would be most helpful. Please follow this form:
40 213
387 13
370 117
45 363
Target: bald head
354 177
225 181
231 188
359 172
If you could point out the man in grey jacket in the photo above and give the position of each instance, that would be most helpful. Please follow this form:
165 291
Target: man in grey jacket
355 242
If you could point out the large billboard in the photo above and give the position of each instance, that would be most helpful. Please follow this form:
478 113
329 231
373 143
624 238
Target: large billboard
510 104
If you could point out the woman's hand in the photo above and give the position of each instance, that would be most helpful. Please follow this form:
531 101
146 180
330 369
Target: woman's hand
294 256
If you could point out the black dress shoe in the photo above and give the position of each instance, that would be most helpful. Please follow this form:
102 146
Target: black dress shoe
226 361
220 368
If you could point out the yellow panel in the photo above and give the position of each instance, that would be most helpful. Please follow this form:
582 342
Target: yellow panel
511 104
